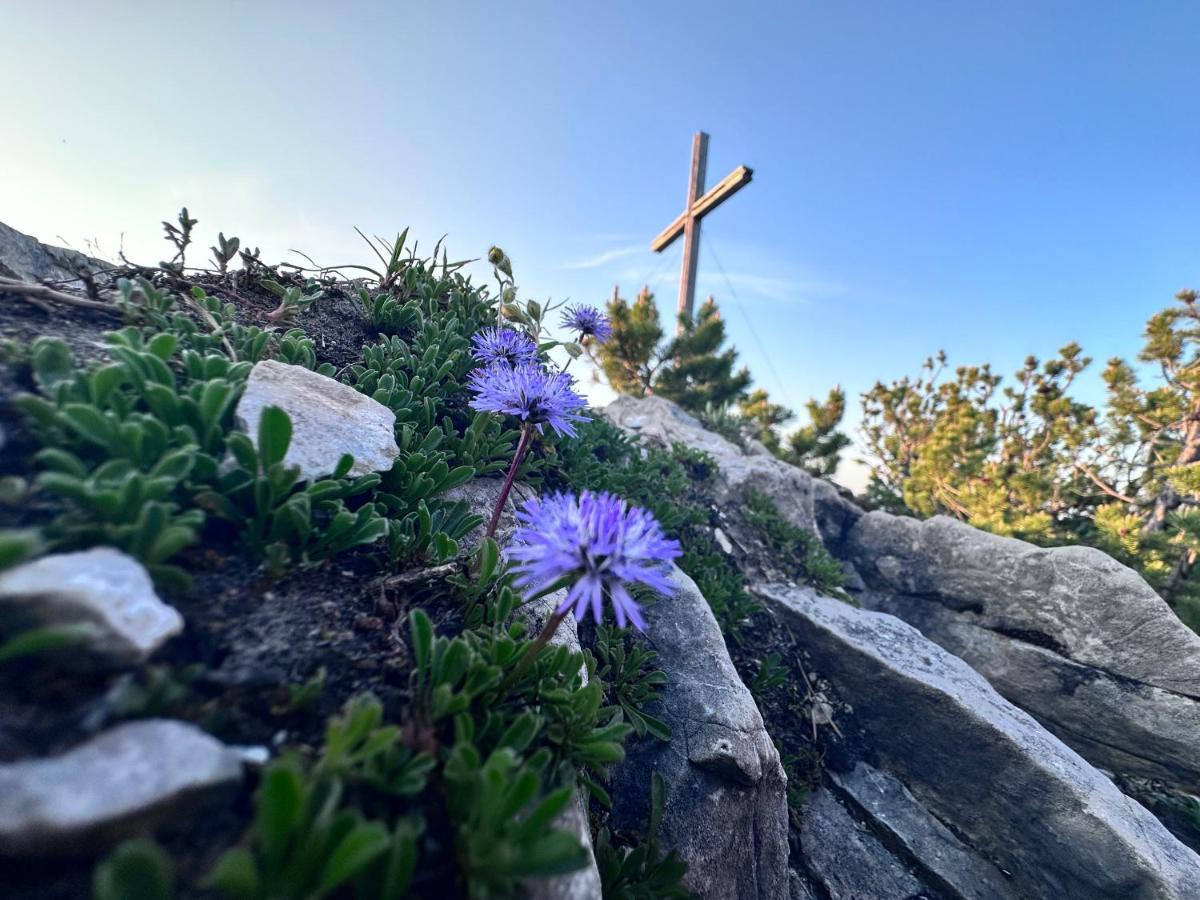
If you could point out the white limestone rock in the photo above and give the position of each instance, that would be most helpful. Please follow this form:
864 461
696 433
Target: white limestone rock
329 419
102 586
121 783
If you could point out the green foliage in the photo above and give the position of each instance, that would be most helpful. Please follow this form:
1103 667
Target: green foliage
361 749
18 545
771 674
281 519
631 680
629 357
690 368
503 831
696 371
304 841
642 873
799 551
45 639
154 691
293 300
1029 460
138 869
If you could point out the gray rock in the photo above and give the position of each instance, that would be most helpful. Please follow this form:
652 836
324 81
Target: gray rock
1120 724
1066 633
938 857
726 807
659 420
121 783
329 419
847 859
28 259
102 586
1077 601
1008 788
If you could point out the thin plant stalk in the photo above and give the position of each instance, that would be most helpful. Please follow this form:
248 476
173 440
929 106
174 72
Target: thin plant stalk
534 649
518 458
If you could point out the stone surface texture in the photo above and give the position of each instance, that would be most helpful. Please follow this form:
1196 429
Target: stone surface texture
1009 789
26 258
123 782
102 586
726 806
329 419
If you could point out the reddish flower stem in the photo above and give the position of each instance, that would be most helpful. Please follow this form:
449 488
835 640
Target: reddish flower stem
518 458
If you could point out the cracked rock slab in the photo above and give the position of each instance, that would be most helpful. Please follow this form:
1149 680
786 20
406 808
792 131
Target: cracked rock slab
1123 725
329 419
940 859
102 586
987 770
726 806
1078 601
847 859
123 782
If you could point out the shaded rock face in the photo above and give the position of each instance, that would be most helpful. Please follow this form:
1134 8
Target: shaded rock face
102 586
1011 792
847 859
1067 633
661 421
121 783
28 259
917 839
726 805
329 419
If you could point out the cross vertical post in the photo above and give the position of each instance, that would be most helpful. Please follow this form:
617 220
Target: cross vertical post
691 228
687 223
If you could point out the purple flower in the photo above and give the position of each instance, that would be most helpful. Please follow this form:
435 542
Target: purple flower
503 345
588 321
598 540
530 393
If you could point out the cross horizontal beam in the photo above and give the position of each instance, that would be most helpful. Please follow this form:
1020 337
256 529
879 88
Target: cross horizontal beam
729 185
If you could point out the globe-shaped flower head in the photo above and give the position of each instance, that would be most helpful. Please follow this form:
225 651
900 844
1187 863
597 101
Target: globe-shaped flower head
587 321
503 345
599 542
530 393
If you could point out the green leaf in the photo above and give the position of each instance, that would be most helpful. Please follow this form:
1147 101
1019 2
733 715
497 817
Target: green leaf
18 545
280 804
46 639
51 361
422 638
355 851
137 870
274 435
236 875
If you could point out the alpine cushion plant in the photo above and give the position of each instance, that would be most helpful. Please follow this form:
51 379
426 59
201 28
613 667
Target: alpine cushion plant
534 396
493 346
587 321
598 547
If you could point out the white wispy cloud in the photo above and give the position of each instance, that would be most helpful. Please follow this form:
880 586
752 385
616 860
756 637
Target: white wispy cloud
605 257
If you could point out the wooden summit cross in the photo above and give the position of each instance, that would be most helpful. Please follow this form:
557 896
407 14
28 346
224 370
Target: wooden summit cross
687 223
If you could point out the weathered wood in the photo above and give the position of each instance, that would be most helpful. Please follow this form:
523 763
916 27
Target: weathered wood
687 223
691 228
730 185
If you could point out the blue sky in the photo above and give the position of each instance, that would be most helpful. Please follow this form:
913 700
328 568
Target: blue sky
994 179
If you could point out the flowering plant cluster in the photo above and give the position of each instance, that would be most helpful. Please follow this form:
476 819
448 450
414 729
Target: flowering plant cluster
596 545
